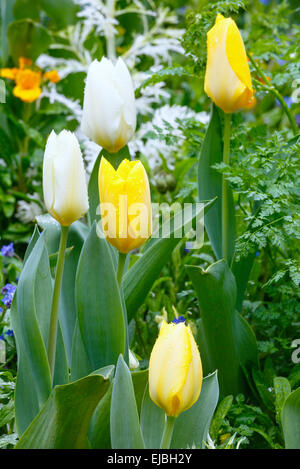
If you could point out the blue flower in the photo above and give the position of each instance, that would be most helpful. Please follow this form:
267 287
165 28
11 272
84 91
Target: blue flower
10 333
2 337
188 246
8 291
178 320
8 250
297 119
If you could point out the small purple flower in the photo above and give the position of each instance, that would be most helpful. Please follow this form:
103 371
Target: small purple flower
281 62
10 333
8 250
8 291
178 320
297 119
188 246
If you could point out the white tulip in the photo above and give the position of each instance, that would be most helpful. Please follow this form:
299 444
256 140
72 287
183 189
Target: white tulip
109 114
64 180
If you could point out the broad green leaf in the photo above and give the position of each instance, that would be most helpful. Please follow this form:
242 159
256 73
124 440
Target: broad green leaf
78 233
152 422
210 185
99 431
30 315
27 39
100 314
64 420
139 380
139 279
125 428
241 270
80 365
191 427
290 418
282 390
228 338
67 308
34 294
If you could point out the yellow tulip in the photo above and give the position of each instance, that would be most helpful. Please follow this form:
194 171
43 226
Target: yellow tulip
175 369
227 78
125 204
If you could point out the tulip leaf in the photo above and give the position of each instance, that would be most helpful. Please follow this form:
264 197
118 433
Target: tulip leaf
139 380
30 316
152 422
125 429
34 294
64 420
99 306
228 337
80 365
192 426
241 270
99 431
78 233
139 279
210 185
290 418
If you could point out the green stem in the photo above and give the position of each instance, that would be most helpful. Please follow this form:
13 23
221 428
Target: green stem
286 110
121 265
168 432
225 199
55 298
272 89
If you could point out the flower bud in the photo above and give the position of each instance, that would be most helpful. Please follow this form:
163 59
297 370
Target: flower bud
64 180
175 369
109 114
227 78
125 204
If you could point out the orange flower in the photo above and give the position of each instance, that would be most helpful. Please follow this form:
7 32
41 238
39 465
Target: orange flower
52 76
23 62
27 85
10 73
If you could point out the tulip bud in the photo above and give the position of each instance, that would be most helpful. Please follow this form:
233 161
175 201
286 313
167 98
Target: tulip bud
125 204
64 180
175 369
109 114
227 78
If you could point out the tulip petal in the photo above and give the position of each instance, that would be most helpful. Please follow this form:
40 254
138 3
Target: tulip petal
123 189
227 77
168 368
69 190
191 390
236 55
48 171
109 115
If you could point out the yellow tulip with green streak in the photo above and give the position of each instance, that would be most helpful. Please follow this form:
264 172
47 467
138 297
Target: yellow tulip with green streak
125 203
175 369
227 78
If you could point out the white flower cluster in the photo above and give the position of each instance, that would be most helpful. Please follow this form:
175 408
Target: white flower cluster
164 118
